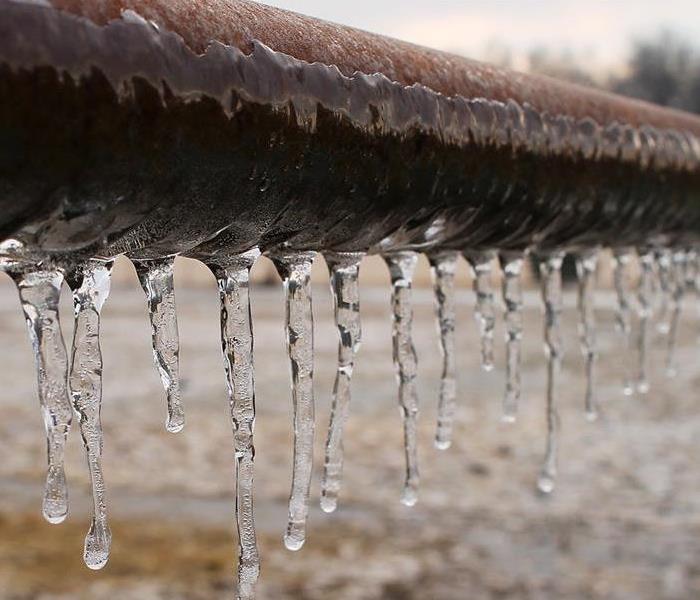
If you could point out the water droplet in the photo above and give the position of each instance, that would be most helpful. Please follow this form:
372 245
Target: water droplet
402 265
344 271
156 277
233 277
295 270
90 284
97 544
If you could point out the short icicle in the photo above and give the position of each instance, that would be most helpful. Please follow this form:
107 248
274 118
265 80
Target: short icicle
401 268
39 293
678 284
623 312
550 270
645 292
295 270
512 266
485 311
586 265
443 266
663 258
344 270
90 285
156 277
233 276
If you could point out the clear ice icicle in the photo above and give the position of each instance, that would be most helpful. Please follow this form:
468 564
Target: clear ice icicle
512 266
401 268
233 276
443 266
550 270
623 316
586 264
645 291
90 285
485 311
344 270
664 268
156 277
295 270
678 283
39 293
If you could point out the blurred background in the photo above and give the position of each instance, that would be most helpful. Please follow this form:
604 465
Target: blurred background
623 523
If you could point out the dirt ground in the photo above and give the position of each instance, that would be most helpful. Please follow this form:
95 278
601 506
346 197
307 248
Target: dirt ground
624 522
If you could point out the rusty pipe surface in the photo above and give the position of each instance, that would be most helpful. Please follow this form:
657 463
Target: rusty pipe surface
202 127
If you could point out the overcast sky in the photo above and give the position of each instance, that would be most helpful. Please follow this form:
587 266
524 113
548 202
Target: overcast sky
598 32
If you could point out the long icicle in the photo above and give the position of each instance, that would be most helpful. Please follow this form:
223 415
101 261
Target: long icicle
645 293
623 317
485 310
586 265
550 270
678 283
295 270
402 265
39 293
443 266
90 285
512 266
156 277
344 270
233 278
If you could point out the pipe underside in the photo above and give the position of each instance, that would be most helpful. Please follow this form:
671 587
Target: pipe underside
156 140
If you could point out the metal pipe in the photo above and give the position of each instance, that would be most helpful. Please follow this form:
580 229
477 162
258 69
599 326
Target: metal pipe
169 130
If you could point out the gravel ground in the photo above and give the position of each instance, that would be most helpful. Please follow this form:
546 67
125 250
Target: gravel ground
623 523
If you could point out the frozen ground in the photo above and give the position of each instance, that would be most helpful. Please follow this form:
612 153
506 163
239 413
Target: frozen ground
624 522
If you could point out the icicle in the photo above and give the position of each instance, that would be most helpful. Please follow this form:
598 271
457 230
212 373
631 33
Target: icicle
644 300
295 270
586 264
39 293
550 270
678 283
443 266
90 285
344 269
401 268
484 313
237 345
663 259
623 321
512 266
156 277
692 274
